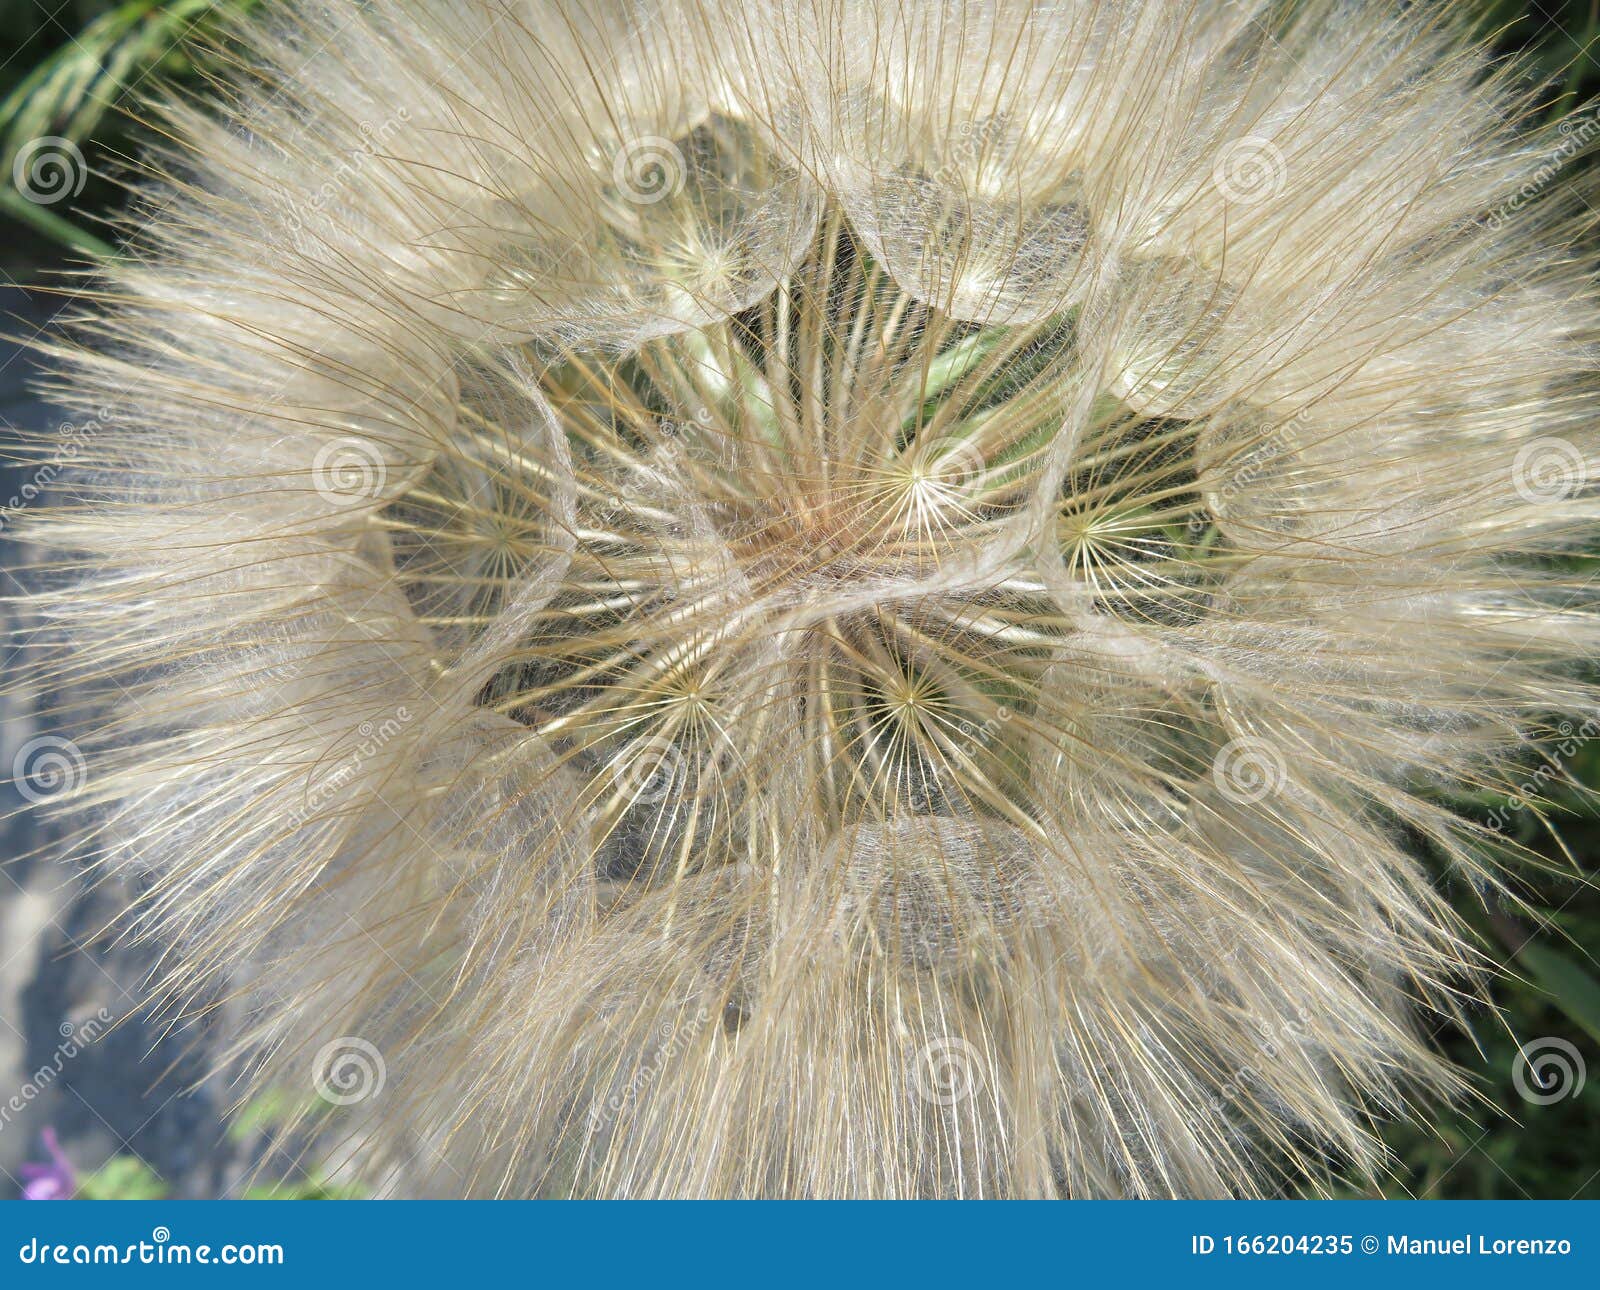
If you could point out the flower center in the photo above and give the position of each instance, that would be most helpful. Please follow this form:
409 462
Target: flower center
741 532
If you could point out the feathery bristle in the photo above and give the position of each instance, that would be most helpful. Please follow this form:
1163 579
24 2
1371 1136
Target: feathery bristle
854 597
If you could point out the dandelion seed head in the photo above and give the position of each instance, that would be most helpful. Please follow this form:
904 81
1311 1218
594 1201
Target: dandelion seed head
833 598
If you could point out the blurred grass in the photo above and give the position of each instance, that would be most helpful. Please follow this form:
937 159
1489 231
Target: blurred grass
65 68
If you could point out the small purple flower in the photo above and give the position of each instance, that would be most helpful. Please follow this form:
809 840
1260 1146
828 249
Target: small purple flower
52 1181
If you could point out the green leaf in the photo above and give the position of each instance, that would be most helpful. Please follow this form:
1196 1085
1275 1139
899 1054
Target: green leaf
121 1178
316 1187
1572 989
271 1109
69 93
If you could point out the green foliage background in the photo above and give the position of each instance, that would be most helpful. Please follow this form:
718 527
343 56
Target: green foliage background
67 69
